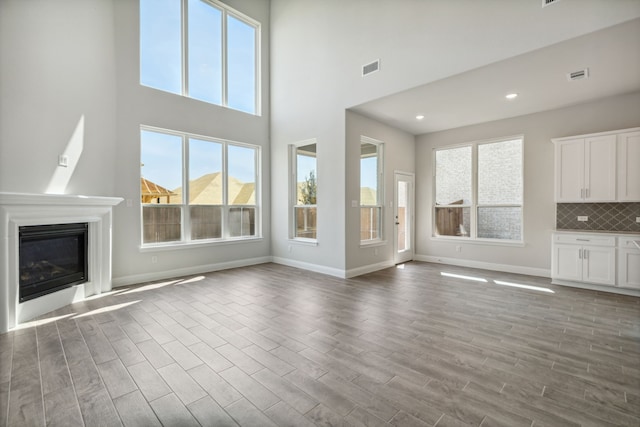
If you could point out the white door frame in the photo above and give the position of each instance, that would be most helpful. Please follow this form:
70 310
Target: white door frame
405 255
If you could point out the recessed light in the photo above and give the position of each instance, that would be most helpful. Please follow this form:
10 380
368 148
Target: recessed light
419 117
512 96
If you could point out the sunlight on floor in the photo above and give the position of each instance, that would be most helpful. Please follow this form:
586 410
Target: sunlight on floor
459 276
192 280
498 282
150 287
400 266
106 309
517 285
41 322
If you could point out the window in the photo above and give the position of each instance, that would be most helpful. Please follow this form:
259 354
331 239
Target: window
371 189
304 190
195 188
478 190
201 49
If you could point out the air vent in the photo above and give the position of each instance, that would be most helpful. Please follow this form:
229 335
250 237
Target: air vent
549 2
371 67
578 75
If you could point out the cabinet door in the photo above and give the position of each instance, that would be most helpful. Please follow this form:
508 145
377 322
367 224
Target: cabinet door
600 168
629 167
566 262
629 268
599 265
569 170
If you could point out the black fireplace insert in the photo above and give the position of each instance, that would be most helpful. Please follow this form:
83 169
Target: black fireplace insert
52 257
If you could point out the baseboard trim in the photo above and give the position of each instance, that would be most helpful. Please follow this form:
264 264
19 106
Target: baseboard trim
330 271
594 287
353 272
505 268
179 272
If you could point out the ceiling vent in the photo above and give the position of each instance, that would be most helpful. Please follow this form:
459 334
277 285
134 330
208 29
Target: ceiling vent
371 67
578 75
549 2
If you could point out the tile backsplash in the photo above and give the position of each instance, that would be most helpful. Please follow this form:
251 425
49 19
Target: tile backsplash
602 216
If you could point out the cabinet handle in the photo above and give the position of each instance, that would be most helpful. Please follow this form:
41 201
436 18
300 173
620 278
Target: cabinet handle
583 240
586 192
586 254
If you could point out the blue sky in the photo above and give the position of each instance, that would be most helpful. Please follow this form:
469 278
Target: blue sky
161 53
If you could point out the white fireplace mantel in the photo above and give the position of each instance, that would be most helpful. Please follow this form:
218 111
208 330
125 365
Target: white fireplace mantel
20 209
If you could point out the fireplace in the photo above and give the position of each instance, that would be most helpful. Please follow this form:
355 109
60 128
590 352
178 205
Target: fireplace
19 212
51 257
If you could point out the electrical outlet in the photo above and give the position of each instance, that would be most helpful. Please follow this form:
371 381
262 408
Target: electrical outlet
638 219
458 248
583 218
63 160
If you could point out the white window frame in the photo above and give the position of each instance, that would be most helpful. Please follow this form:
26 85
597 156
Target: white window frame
293 190
379 190
225 11
185 232
474 205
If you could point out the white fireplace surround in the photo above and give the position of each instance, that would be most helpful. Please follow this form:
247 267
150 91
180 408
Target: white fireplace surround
20 209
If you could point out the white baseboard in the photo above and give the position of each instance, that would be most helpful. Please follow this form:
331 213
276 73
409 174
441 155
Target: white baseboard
506 268
353 272
594 287
179 272
335 272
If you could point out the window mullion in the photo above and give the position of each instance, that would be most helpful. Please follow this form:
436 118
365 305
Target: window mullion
225 204
186 224
224 71
473 233
185 47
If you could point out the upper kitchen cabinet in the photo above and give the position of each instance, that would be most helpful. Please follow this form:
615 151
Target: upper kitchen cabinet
599 167
629 167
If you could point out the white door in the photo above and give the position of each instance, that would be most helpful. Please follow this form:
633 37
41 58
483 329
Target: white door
403 217
567 262
599 265
600 169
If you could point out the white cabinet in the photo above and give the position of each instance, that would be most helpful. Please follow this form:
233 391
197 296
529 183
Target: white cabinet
629 262
629 167
602 167
586 169
584 258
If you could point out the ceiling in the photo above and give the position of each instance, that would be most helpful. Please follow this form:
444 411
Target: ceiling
612 56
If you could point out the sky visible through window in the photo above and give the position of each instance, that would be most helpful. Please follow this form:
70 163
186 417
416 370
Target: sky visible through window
161 159
161 53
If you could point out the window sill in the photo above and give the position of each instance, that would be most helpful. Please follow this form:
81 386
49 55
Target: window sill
488 242
172 246
303 242
372 243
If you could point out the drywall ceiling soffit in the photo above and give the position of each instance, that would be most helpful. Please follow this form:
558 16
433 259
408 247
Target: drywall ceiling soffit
539 77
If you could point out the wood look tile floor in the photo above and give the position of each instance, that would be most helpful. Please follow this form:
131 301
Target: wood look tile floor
270 345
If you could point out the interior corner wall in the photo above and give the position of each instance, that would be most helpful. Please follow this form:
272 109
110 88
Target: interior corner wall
399 155
57 96
139 105
617 112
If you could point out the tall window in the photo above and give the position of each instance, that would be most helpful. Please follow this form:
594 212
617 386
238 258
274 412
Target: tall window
478 190
304 190
210 196
371 189
201 49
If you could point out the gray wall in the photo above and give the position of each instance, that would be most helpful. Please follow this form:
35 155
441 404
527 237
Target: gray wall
142 105
69 72
606 114
57 94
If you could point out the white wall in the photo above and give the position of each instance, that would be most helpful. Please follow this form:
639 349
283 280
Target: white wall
399 155
539 208
142 105
57 94
318 49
